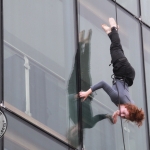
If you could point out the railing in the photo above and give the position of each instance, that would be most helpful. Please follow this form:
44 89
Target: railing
27 60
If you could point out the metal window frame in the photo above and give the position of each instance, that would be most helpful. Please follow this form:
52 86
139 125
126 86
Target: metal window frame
144 73
1 64
38 125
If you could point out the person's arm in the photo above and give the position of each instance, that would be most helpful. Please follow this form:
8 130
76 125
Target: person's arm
85 94
109 90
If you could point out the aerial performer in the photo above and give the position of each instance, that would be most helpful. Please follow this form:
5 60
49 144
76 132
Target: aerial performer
124 75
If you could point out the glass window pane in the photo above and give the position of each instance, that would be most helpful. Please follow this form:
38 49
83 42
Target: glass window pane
22 136
146 37
98 131
145 11
95 60
39 57
135 138
132 6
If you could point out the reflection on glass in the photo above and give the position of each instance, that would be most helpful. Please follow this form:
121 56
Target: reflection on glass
88 119
72 134
38 58
22 136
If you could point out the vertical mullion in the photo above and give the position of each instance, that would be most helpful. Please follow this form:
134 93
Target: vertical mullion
1 63
123 139
78 77
2 144
144 73
1 52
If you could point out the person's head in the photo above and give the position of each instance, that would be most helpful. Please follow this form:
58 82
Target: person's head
123 112
132 113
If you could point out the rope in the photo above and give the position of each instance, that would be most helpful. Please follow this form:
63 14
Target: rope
116 81
116 12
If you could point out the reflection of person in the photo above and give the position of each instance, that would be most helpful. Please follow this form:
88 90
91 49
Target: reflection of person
88 120
124 76
87 114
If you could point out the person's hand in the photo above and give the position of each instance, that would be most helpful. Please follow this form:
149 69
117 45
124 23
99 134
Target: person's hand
83 95
115 116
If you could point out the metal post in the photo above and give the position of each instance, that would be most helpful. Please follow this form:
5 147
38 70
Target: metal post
144 73
78 77
27 86
1 64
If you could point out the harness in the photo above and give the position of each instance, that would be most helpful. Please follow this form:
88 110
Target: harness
114 77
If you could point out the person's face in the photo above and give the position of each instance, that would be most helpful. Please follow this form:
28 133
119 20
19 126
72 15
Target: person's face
123 112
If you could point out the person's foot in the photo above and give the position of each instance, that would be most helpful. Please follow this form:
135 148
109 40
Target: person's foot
106 28
81 36
88 39
112 22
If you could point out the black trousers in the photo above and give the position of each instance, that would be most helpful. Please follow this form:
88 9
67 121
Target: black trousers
121 67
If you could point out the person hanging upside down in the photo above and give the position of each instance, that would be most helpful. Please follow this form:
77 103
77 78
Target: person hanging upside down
124 75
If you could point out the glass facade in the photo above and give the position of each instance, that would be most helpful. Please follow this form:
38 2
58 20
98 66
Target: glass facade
129 6
145 11
92 16
54 49
146 45
21 136
40 46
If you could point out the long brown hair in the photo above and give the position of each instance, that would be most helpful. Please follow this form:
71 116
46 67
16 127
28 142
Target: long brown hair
135 114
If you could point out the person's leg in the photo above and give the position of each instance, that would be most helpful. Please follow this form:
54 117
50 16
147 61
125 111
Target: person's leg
113 35
91 123
115 47
116 50
93 120
121 66
85 63
115 40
